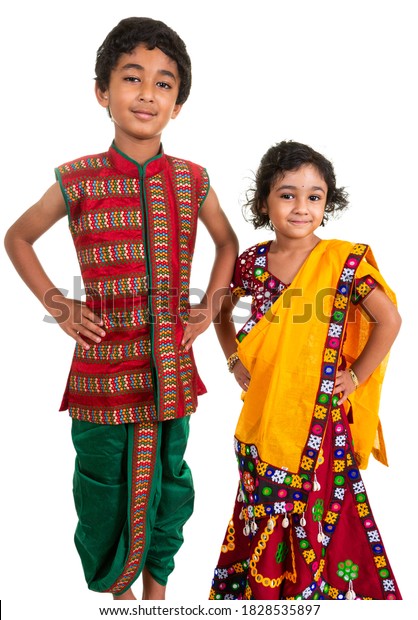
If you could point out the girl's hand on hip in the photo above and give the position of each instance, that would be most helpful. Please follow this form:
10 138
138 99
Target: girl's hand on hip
344 385
242 376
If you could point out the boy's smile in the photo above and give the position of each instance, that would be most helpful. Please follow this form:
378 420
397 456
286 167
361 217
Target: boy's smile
141 98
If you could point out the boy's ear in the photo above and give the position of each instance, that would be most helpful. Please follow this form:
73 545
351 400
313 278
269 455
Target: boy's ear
176 110
101 96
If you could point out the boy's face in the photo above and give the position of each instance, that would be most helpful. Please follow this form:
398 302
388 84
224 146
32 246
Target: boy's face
141 97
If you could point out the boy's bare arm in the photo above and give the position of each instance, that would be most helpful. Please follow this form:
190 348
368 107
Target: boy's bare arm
226 252
72 315
25 231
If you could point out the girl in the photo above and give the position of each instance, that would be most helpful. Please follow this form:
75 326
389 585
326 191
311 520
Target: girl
311 360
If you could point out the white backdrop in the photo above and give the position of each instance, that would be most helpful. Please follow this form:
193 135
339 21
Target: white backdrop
336 75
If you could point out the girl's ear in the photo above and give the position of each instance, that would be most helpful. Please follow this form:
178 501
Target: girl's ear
263 208
102 96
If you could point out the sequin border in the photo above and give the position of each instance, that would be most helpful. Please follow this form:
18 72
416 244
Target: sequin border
333 344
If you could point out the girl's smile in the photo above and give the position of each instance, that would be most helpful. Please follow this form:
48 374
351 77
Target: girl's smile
296 203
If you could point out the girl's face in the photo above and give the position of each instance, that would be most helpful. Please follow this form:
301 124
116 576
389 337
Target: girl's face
296 203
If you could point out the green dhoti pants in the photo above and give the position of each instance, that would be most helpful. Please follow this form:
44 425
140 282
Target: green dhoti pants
133 493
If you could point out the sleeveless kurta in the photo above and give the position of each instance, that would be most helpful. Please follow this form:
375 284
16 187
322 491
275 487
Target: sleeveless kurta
134 230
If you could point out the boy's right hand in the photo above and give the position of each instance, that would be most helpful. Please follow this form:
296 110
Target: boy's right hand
77 320
241 375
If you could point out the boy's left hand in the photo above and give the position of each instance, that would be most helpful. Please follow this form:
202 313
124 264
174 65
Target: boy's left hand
199 320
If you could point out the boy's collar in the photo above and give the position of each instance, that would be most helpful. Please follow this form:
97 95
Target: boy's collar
128 165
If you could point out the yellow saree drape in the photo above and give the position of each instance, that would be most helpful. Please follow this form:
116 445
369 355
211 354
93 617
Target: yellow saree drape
284 354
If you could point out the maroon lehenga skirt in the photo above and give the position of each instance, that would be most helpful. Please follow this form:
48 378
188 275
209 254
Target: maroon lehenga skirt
332 550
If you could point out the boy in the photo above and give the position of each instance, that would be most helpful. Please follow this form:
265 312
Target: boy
133 381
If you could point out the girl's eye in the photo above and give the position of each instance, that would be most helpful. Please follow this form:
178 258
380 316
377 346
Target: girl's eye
287 196
314 198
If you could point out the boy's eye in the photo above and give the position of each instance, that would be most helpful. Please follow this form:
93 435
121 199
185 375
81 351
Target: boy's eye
163 85
132 78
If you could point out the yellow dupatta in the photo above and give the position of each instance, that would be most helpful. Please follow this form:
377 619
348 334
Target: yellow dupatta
284 353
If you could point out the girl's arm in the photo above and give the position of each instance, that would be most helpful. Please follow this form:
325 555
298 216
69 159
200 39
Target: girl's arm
73 316
387 323
225 330
226 252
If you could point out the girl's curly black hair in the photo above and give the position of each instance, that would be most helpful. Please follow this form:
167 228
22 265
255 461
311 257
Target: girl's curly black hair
279 159
131 32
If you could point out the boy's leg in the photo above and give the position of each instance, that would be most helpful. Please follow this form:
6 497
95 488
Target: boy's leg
176 503
100 494
117 493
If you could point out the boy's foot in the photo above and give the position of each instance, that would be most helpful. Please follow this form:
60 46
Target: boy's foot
126 596
152 590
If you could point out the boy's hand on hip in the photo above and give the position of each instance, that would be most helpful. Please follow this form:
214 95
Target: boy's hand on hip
199 320
78 321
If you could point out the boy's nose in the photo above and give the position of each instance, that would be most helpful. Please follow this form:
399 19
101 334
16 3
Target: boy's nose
145 97
145 93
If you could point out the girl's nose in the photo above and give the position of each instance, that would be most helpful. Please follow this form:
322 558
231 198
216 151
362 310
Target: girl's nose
301 206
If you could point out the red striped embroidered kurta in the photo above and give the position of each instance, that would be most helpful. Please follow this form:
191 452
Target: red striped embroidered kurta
134 230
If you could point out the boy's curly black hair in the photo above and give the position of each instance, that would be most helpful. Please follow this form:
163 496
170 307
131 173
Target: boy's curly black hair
279 159
133 31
